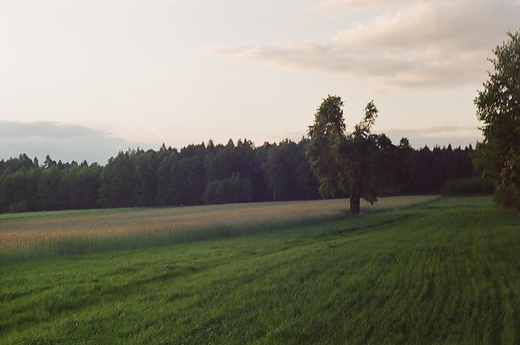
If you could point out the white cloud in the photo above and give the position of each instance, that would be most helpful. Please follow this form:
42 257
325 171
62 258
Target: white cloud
341 5
421 44
453 135
279 136
47 129
437 131
60 141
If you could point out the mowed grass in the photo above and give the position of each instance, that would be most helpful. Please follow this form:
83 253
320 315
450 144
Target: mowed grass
443 272
28 236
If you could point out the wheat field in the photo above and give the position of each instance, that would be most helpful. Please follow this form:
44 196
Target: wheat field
70 232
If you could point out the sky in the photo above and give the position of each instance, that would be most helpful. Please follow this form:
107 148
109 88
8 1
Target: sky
83 80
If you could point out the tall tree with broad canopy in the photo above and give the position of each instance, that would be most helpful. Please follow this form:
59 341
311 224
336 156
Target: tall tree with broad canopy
360 164
498 106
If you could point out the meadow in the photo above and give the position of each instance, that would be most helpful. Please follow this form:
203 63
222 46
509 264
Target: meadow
446 271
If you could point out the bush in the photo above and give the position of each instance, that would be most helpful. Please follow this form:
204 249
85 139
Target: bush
508 196
22 206
468 186
236 189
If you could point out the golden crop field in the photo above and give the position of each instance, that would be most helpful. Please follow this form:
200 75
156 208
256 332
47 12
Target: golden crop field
44 227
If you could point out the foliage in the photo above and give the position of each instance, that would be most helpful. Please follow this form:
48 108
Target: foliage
360 164
498 107
236 189
432 168
508 196
325 136
446 273
168 177
288 172
468 186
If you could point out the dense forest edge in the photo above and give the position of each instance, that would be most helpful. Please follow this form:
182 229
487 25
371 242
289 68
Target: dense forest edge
207 174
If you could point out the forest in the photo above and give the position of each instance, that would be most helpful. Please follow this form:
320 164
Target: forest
206 174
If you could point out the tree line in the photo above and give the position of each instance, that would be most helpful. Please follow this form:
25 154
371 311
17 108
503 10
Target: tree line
195 175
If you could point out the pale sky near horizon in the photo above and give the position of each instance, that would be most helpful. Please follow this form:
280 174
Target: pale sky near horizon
87 79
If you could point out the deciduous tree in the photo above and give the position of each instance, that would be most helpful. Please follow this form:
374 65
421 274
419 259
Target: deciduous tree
498 107
359 163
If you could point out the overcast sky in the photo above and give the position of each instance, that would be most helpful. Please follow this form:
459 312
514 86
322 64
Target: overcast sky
86 79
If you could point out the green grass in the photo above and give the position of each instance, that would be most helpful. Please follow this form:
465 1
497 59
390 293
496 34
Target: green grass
443 272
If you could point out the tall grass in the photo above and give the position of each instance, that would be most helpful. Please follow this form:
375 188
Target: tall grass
54 234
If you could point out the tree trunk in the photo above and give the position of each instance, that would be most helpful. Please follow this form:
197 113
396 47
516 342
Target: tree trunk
354 205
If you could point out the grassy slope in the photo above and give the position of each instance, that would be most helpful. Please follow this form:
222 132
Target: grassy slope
448 272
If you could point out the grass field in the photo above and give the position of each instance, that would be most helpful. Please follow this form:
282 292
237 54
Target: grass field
443 272
39 235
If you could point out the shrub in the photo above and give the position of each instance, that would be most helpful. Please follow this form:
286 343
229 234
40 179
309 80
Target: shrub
508 196
468 186
236 189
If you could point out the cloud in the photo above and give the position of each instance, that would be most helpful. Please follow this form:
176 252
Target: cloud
47 129
341 5
427 44
60 141
437 136
436 131
454 135
163 128
279 136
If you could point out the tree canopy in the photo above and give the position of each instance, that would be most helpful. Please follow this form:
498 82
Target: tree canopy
498 107
360 164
